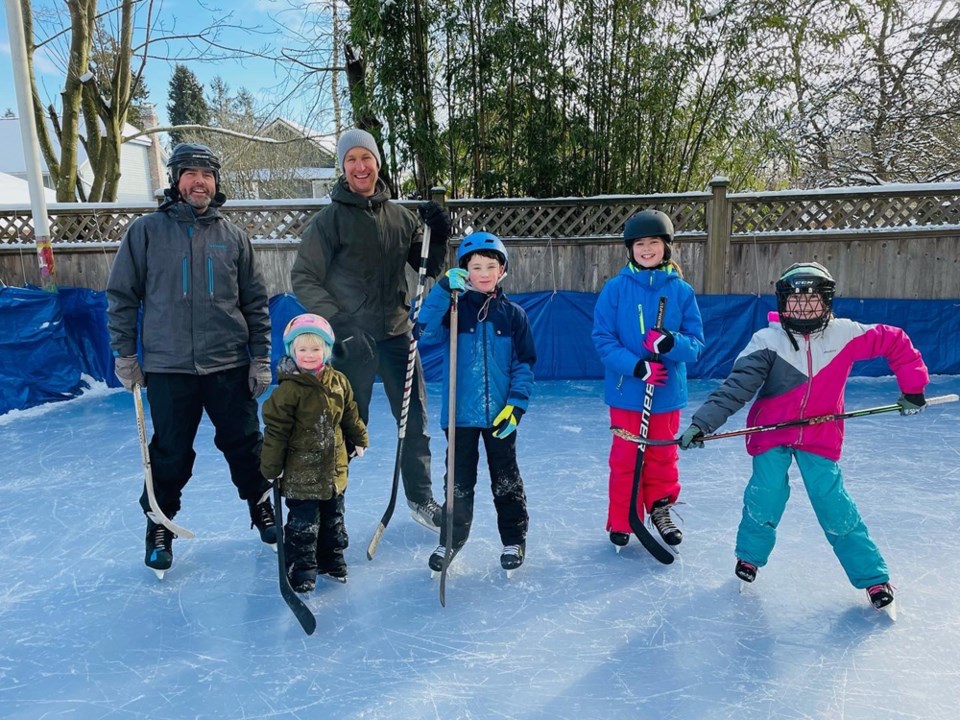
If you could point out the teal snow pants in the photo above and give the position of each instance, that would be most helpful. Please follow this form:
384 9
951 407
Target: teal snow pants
766 497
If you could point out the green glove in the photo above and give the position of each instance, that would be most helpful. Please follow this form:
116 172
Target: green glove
692 437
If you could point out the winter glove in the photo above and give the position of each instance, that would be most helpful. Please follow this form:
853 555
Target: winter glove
128 371
436 216
692 438
454 279
352 343
260 376
910 403
651 372
658 341
506 422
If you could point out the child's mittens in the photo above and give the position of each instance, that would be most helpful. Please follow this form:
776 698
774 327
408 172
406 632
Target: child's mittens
454 279
506 422
651 372
911 403
658 340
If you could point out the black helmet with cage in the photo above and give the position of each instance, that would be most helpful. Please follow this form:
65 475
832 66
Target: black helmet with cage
192 155
807 282
648 223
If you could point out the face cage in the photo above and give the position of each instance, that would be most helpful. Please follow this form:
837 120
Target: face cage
805 326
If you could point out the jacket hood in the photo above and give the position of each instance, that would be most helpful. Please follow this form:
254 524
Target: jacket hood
655 278
342 193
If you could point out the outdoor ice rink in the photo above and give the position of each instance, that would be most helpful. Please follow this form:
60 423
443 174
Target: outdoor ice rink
579 632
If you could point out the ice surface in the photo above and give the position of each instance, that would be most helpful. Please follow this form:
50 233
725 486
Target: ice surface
578 632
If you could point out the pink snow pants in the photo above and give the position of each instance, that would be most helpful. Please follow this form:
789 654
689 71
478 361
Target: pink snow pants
659 477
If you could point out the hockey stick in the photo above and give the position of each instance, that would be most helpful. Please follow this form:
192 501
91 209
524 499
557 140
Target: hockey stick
407 391
148 471
306 618
631 437
451 445
636 524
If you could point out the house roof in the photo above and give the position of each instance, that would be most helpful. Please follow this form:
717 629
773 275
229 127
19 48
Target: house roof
12 160
325 142
15 191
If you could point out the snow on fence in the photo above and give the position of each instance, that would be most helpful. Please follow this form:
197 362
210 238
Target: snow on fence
893 241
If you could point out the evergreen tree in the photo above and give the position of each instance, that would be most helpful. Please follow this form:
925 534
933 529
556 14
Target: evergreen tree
186 105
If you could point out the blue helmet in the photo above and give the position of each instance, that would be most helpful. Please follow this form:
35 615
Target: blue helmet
475 242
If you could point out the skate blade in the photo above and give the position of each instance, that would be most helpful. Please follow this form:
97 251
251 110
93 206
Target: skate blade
434 574
618 548
420 521
509 572
745 587
331 578
272 546
158 573
890 611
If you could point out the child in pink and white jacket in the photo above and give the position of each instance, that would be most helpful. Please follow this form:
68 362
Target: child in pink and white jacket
798 368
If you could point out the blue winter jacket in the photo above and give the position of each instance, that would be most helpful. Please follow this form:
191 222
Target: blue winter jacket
495 354
626 309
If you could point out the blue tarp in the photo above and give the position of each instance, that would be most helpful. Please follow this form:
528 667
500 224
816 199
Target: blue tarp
47 340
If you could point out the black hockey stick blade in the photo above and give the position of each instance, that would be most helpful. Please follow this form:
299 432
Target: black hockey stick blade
306 618
650 543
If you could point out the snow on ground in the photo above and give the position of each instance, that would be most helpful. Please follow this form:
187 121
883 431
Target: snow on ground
579 632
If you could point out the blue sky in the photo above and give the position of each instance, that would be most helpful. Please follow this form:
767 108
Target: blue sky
265 18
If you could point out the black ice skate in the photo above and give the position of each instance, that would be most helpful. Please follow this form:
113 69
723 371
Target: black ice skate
333 567
159 548
512 557
660 517
428 514
436 558
619 540
747 572
261 517
881 597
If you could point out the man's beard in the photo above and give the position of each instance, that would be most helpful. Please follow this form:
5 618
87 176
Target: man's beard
200 203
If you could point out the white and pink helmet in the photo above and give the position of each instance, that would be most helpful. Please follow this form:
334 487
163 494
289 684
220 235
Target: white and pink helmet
307 323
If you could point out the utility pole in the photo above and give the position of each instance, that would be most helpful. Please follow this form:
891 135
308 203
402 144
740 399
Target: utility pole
31 147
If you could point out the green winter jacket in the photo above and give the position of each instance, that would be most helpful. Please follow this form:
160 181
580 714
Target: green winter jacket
307 420
353 257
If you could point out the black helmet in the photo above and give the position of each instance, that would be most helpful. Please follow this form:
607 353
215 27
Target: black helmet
648 223
805 280
192 155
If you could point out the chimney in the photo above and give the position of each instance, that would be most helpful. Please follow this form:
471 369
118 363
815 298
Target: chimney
158 172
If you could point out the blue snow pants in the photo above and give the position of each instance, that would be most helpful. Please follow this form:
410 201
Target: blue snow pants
766 497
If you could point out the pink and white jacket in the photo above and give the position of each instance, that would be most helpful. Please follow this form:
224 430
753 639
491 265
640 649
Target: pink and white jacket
808 382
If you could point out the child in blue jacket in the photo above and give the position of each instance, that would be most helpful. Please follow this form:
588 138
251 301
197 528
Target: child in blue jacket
495 359
626 336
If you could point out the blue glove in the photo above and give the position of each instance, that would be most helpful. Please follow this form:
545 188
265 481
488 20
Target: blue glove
454 279
506 422
692 437
911 403
658 340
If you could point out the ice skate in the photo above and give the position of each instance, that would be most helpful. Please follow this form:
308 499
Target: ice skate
436 558
619 540
512 557
159 547
333 569
881 597
660 517
747 572
262 518
428 514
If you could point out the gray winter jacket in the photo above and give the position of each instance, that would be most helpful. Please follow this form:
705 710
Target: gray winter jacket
204 299
352 259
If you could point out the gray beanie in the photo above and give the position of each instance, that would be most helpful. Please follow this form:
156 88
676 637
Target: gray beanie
355 137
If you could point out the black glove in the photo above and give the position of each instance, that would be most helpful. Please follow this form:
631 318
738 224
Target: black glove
353 343
911 403
437 217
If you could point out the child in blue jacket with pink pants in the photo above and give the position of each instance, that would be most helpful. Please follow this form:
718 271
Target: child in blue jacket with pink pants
627 337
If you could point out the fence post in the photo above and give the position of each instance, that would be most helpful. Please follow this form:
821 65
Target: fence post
718 238
439 193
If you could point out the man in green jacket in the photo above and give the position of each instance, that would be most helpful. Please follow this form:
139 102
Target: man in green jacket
351 269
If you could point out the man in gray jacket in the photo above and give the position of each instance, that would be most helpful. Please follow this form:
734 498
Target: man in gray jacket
205 336
351 269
